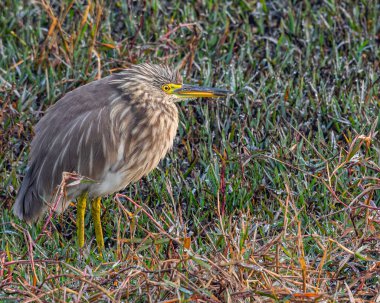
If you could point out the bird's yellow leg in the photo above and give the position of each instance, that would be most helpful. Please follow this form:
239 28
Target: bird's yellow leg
81 210
95 211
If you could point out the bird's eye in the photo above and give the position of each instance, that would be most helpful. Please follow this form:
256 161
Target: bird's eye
166 88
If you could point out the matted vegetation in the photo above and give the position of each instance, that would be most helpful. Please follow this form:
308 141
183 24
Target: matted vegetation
271 195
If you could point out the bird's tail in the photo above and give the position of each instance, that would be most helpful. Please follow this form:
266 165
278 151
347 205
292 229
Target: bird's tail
29 205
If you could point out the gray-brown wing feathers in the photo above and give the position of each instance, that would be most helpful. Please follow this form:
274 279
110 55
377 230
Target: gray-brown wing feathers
28 204
72 136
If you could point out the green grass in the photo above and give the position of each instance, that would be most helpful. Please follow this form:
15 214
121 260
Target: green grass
276 187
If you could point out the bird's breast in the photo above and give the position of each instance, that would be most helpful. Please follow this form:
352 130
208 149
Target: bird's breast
140 147
150 141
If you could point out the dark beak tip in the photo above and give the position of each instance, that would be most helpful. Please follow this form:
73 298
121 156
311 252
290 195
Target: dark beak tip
220 92
224 92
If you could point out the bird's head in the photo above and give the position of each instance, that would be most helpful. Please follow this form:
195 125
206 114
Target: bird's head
162 83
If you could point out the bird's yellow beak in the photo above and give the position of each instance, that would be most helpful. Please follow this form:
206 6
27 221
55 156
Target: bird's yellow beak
193 91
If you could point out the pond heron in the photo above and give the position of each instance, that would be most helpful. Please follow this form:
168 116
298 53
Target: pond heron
112 131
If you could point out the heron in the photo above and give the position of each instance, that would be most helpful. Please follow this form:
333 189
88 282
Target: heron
112 131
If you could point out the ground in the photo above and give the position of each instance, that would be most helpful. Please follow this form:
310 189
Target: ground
270 195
